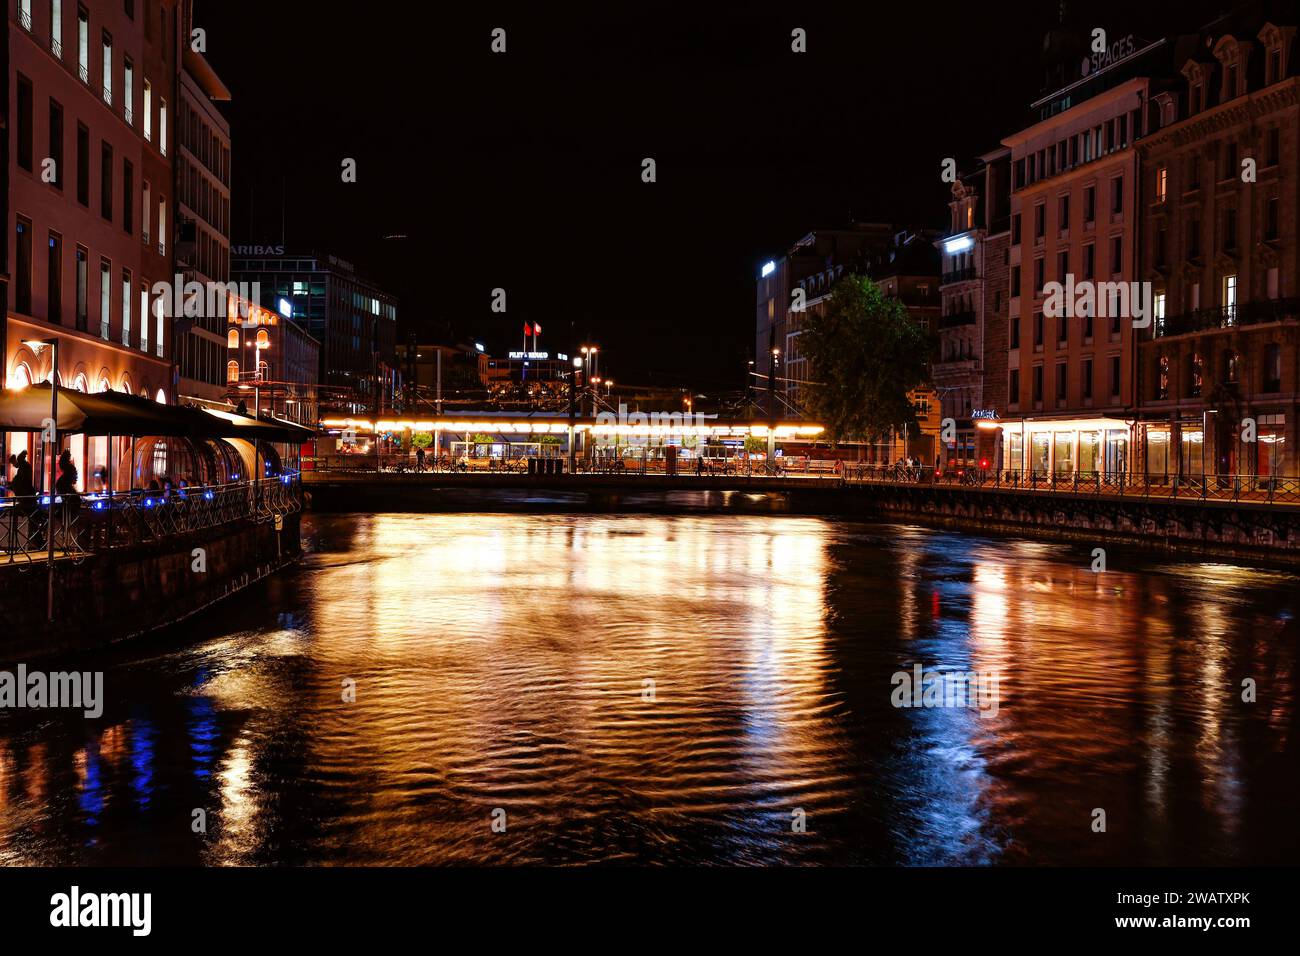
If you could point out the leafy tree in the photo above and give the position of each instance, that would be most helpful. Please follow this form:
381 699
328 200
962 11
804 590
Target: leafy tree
866 353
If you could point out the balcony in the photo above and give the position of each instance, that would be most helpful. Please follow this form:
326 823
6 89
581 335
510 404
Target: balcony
955 319
25 18
960 275
1228 317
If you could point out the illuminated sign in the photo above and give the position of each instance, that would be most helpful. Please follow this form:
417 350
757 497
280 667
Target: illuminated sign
286 308
768 269
984 413
960 244
257 250
530 355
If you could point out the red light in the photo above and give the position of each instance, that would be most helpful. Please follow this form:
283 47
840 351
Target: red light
984 462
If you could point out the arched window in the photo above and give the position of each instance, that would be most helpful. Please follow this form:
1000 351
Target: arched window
232 339
21 378
81 384
161 397
263 339
232 371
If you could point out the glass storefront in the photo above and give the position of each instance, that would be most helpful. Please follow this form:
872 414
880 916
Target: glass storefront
1117 452
1089 452
1015 451
1064 447
1192 458
1040 453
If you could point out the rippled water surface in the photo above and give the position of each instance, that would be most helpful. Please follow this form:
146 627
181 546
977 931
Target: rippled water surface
656 689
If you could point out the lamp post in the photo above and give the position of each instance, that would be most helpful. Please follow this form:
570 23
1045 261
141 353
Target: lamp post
37 346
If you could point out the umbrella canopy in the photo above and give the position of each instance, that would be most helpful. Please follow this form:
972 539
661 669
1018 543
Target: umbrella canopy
232 425
104 413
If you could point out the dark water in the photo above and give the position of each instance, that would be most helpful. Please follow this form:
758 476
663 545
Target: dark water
500 663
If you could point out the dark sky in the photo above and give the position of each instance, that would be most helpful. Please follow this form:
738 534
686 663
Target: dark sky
522 170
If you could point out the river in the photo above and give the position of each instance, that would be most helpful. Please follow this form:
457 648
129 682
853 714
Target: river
716 689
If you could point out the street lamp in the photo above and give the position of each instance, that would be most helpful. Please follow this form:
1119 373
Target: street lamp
38 346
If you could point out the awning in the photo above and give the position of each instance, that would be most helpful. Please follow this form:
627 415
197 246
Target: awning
117 413
104 413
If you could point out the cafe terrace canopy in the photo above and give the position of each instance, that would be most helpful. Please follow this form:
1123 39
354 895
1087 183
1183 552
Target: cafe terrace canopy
116 413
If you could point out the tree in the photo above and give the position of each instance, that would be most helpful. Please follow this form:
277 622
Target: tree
866 353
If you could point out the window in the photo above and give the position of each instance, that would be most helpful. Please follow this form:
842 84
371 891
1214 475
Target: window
158 313
1040 220
1116 255
162 126
108 68
1117 195
1086 378
1039 275
148 111
232 371
54 280
1015 280
1273 151
1038 383
1062 330
1270 218
147 211
1230 299
1090 261
105 297
1013 387
25 14
1231 367
1064 213
162 226
83 45
126 308
1229 160
24 123
1090 204
1162 184
1015 229
1160 243
83 165
1195 375
56 28
1229 229
82 280
1038 329
1061 381
1062 265
106 181
56 142
128 196
1274 65
1015 333
1272 367
1162 378
1159 310
23 268
128 90
144 317
232 339
1194 238
1114 376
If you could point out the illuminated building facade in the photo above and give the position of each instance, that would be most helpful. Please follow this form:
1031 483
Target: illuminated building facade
270 354
202 215
90 141
969 368
354 321
1220 379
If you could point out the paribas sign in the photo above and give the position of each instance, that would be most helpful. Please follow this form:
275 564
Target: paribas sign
1100 59
257 250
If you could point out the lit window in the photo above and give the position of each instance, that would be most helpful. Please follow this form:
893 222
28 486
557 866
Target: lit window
1162 183
148 111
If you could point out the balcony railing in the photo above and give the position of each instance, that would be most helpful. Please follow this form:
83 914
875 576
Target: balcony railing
1226 317
25 18
960 275
954 319
85 524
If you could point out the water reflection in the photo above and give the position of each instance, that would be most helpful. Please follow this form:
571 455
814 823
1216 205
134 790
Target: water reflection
680 689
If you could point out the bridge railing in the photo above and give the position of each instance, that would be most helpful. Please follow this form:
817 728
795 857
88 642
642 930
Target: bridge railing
1241 488
81 524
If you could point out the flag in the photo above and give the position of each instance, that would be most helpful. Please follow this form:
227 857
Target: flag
537 329
528 329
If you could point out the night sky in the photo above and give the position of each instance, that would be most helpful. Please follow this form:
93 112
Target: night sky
523 170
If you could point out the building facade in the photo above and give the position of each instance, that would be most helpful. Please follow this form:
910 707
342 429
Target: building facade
202 193
1220 366
1071 384
353 319
969 368
89 219
270 360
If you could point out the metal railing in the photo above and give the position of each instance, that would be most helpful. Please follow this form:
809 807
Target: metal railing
83 524
1264 489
